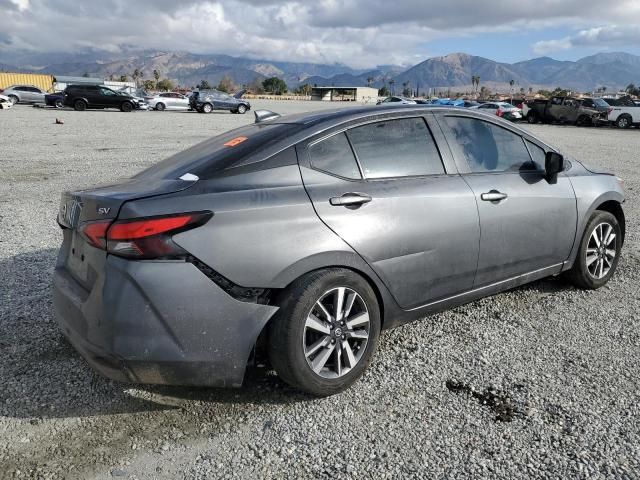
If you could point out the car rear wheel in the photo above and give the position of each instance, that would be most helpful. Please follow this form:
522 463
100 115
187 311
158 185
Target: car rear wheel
326 331
623 121
532 118
242 109
207 108
126 107
80 105
160 106
599 252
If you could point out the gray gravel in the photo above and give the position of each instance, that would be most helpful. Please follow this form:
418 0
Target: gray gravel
538 382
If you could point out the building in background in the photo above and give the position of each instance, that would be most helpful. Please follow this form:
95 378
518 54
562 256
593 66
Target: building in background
345 94
42 81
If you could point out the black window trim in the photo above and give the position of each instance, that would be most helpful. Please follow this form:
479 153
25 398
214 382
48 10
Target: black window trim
363 178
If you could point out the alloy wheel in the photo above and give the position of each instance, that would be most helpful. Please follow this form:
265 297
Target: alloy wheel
601 250
336 332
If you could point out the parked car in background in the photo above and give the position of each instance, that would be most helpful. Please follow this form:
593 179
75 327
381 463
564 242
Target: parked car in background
624 117
206 101
300 238
596 104
5 102
54 99
564 110
397 100
501 109
169 101
83 97
24 94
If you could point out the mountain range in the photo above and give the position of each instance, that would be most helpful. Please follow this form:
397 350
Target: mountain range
611 69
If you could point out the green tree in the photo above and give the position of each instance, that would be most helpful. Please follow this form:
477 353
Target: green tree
369 81
484 92
124 78
149 84
275 85
384 91
204 85
545 93
165 84
226 84
304 89
136 75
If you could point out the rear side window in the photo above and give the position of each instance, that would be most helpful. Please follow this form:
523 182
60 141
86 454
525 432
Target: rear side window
396 148
488 147
334 155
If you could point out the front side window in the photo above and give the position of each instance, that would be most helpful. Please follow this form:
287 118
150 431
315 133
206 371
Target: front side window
538 155
487 147
334 155
396 148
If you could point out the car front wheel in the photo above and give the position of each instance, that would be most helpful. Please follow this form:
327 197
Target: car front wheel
126 107
599 251
160 107
242 109
326 331
207 108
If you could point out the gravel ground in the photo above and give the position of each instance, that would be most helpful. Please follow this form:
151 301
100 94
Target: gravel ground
538 382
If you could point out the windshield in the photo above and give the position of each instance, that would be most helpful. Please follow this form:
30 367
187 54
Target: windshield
598 102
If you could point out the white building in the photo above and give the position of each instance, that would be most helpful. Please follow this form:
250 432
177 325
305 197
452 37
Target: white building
345 94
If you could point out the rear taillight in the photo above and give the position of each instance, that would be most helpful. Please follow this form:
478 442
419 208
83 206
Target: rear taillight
499 112
143 238
609 110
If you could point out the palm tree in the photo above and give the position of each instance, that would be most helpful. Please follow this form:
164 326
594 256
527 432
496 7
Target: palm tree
369 80
156 75
135 75
391 84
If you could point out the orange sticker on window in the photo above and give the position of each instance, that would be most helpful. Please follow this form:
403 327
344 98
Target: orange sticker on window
235 141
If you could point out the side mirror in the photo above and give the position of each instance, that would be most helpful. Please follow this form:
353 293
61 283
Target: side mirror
553 164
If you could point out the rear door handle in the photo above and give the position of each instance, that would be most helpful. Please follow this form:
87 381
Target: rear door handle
493 196
350 199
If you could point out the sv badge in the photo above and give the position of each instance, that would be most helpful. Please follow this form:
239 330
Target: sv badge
104 210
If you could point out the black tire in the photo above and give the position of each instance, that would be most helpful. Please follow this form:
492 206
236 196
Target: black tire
581 274
160 106
126 107
13 99
79 105
624 121
532 118
59 103
287 332
584 121
242 109
207 108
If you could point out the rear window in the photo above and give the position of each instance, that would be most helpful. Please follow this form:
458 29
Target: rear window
222 152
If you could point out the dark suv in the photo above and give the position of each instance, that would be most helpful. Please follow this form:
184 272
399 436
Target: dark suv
206 101
82 97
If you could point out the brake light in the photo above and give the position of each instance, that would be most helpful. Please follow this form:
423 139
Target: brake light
142 238
146 238
499 112
96 233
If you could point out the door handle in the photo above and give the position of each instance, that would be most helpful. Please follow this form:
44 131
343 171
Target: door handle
350 199
493 196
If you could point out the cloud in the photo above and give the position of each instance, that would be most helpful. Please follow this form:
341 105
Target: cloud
601 37
360 33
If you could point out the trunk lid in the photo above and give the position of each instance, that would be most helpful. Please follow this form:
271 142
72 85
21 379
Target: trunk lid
81 260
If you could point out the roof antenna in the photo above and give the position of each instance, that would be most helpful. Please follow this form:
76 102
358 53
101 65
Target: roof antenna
264 115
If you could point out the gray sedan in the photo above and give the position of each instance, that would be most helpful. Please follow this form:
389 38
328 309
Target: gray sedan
24 94
169 101
297 239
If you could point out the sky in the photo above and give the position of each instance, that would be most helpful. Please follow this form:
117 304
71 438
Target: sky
358 33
